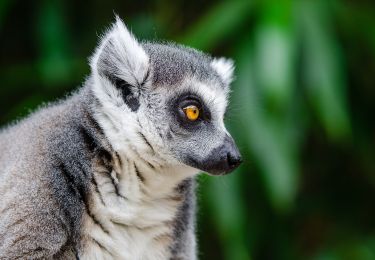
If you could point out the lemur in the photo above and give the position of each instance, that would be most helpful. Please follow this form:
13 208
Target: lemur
108 172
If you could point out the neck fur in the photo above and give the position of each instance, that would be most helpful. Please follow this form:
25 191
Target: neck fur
140 168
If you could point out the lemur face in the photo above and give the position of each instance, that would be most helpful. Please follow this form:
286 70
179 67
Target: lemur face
165 101
197 135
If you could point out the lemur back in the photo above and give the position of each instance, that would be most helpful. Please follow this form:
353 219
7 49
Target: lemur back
108 172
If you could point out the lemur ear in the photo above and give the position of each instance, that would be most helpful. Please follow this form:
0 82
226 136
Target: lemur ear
225 68
120 61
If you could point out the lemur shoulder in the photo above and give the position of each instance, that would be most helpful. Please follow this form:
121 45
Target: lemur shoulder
108 172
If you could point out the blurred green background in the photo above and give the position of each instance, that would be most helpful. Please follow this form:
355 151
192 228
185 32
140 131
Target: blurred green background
302 109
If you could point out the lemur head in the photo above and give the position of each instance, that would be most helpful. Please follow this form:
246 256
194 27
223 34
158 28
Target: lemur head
163 102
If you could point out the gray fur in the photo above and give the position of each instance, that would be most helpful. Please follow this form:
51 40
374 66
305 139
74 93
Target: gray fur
46 181
172 63
55 163
41 207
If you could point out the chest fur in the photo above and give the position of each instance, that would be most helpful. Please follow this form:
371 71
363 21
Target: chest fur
124 221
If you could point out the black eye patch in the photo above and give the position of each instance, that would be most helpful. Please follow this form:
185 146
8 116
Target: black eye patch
189 99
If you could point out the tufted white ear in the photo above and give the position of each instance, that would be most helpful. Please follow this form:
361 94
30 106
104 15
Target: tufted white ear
121 56
225 68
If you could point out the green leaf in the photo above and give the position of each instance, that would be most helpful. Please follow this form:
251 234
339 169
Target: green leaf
275 55
323 68
53 43
217 24
228 206
266 139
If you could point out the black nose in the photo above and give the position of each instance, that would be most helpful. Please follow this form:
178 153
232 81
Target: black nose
222 160
233 157
233 160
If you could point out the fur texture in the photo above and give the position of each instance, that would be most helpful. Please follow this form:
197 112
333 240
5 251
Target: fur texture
108 173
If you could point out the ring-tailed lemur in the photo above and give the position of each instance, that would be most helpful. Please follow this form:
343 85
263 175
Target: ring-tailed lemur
108 173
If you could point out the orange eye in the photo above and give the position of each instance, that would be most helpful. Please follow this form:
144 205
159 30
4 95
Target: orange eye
191 112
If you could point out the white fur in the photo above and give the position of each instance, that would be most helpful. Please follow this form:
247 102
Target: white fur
225 68
127 56
139 220
149 208
144 218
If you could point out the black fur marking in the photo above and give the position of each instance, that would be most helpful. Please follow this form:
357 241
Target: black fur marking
100 245
93 181
69 179
120 224
119 159
76 254
80 192
173 131
87 207
115 186
92 121
104 156
82 169
133 103
139 175
88 139
151 166
186 215
66 248
89 213
145 78
133 226
143 159
146 141
126 91
95 220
